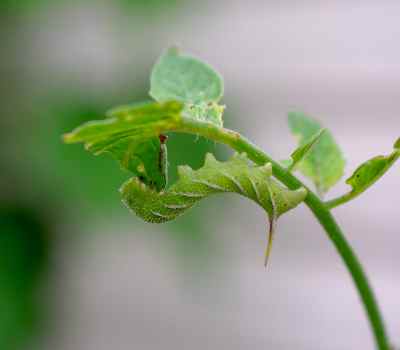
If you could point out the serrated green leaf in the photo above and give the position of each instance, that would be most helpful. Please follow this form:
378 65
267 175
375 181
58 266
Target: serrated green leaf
324 163
300 153
236 175
190 81
371 171
131 134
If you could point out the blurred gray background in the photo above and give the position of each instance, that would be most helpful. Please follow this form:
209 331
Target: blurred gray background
112 282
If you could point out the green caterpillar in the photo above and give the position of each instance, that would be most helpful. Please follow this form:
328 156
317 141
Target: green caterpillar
235 175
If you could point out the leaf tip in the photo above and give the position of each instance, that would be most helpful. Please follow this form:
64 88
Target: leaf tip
267 169
397 144
210 159
295 117
321 132
173 50
68 137
184 171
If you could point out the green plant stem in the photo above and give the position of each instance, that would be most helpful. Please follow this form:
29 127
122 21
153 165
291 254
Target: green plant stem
341 200
320 210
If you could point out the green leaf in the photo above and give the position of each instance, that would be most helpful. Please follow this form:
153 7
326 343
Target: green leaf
183 78
131 134
371 171
236 175
138 120
144 158
286 163
205 111
324 163
299 153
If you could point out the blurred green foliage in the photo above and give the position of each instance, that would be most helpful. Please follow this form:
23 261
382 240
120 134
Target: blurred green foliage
42 180
72 179
24 251
144 5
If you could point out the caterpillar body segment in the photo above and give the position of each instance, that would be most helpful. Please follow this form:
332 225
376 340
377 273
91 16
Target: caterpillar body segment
235 175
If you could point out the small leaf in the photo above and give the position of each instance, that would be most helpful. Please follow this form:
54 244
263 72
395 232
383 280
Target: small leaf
397 144
371 171
324 163
236 175
190 81
131 134
185 79
300 152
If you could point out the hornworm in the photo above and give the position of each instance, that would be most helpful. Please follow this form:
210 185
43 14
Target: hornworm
235 175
